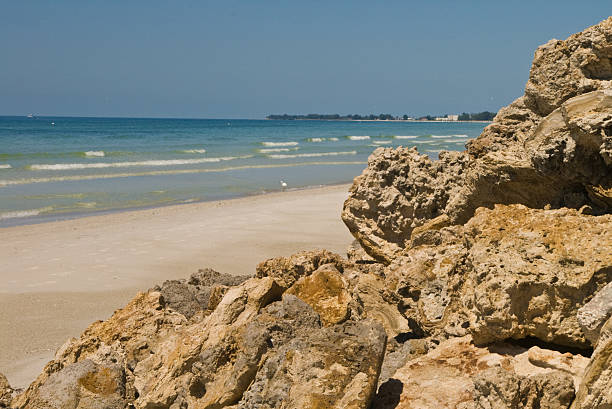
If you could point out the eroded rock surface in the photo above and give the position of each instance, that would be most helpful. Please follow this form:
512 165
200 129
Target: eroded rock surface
551 147
594 314
258 346
458 374
510 272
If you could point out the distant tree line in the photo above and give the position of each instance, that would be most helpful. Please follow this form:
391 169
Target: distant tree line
479 116
333 117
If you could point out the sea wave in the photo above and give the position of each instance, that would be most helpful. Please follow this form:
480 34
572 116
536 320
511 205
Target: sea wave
333 138
270 150
405 136
280 143
449 136
4 183
194 151
96 154
312 155
167 162
381 142
316 139
358 137
24 213
5 166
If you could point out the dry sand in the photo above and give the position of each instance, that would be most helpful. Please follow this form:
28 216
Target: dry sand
59 277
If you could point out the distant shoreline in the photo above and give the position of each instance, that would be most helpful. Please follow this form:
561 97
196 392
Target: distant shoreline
375 120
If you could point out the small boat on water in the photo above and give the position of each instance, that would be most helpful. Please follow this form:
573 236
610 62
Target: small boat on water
30 116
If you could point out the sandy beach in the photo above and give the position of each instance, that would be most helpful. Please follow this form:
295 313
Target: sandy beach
58 277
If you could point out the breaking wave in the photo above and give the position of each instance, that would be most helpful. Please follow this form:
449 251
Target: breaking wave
406 136
358 137
94 154
24 213
311 155
280 143
194 151
6 166
277 150
168 162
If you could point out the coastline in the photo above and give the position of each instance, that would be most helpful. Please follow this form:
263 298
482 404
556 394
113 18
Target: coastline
60 276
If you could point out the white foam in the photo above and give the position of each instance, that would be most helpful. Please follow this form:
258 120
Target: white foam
312 155
406 136
166 172
358 138
24 213
6 166
98 154
168 162
316 139
277 150
194 151
381 142
280 143
449 136
333 138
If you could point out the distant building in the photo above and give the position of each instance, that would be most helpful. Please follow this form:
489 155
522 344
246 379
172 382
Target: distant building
453 117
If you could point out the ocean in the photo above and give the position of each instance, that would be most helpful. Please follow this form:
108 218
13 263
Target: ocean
62 167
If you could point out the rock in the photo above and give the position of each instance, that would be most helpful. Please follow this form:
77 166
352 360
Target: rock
510 272
551 147
337 366
458 374
6 392
325 290
595 391
191 296
287 270
357 254
593 315
83 384
398 191
256 346
498 388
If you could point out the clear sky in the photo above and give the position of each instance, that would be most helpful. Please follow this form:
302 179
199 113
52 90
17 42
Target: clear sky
246 59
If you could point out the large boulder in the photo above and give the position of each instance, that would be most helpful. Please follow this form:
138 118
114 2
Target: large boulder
553 146
458 374
510 272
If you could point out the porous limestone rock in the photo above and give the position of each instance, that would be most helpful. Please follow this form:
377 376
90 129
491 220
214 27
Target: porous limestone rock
594 314
510 272
200 292
458 374
325 290
287 270
595 391
497 388
551 147
256 345
6 392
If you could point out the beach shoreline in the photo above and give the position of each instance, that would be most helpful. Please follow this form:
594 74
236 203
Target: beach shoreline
61 276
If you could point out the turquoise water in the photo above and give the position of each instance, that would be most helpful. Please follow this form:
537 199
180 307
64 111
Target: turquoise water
58 167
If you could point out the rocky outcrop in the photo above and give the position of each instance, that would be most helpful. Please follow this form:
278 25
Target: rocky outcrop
457 374
594 314
550 147
201 292
258 346
510 272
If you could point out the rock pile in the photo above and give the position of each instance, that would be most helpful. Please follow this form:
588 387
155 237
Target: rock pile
478 281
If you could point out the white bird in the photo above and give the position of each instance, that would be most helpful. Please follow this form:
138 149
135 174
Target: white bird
283 185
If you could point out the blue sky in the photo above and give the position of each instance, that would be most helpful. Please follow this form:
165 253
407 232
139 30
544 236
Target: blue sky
246 59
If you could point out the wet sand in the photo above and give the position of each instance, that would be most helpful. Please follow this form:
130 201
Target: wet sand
58 277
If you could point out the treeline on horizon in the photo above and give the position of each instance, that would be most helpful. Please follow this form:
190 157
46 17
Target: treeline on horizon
478 116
